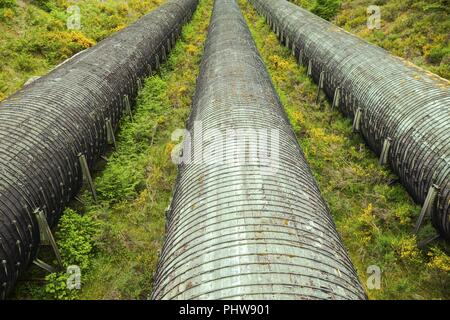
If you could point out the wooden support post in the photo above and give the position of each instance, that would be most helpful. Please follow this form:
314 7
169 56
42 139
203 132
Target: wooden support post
157 61
46 238
300 57
320 86
87 174
79 200
309 72
385 151
422 244
127 104
149 69
357 120
110 133
336 98
41 264
163 54
428 206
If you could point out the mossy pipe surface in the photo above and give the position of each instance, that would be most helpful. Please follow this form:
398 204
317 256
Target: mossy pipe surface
247 220
401 108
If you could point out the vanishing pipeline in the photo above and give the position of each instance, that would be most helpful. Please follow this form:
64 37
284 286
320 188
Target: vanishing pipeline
247 220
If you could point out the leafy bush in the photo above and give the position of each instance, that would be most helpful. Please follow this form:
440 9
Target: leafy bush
56 287
75 238
123 181
326 9
25 63
8 3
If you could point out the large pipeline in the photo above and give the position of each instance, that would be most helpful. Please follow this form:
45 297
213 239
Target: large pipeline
48 123
246 223
402 111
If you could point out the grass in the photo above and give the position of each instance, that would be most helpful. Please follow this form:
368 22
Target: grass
35 36
374 216
134 189
416 30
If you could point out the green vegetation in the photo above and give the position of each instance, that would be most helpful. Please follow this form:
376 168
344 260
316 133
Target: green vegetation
414 30
374 216
116 241
35 36
76 240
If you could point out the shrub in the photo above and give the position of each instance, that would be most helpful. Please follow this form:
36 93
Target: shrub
438 260
326 9
75 238
436 54
56 287
8 14
25 63
54 46
406 249
120 184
